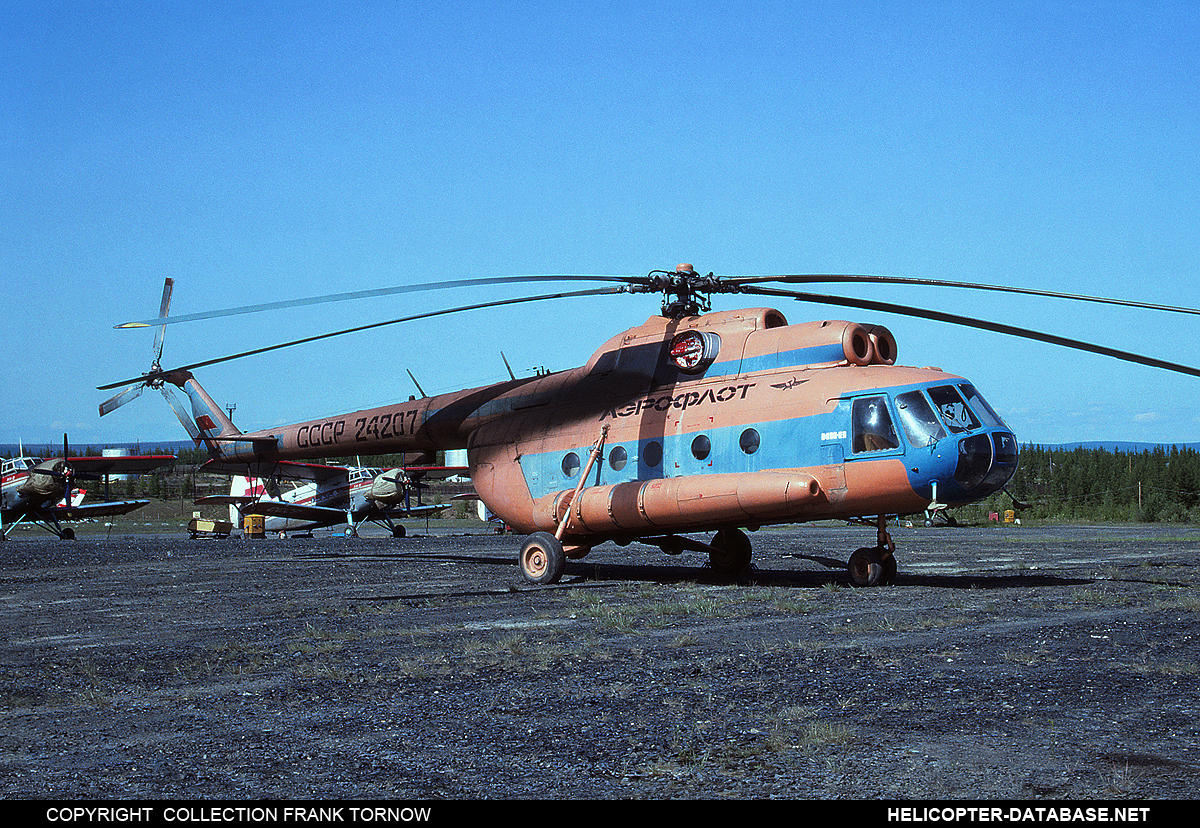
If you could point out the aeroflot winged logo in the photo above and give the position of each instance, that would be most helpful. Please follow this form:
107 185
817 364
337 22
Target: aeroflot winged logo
681 401
693 351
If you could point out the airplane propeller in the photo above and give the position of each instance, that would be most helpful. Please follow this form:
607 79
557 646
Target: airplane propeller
154 377
61 471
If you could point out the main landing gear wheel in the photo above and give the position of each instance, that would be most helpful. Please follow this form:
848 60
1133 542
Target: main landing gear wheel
542 558
871 567
731 552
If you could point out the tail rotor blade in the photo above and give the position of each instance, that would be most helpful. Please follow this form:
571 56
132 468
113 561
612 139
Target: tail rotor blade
163 307
118 400
181 413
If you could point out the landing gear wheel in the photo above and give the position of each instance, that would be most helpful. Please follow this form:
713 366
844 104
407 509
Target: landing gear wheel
866 567
399 532
542 559
732 552
68 534
888 578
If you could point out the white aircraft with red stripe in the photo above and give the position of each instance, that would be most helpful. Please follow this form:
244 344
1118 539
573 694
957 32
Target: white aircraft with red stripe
325 495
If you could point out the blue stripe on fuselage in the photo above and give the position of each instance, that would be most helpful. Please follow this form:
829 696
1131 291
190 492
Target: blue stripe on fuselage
799 442
795 358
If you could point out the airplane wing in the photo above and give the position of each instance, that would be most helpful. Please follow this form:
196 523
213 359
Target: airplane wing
419 511
437 472
297 511
282 469
225 500
328 516
127 464
64 514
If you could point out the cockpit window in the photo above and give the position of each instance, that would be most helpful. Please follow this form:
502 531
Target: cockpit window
873 430
979 405
921 425
953 409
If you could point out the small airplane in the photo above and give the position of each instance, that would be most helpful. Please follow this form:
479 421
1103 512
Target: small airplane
42 492
329 495
695 421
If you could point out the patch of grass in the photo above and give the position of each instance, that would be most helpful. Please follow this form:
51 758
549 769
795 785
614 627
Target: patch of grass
228 658
799 729
638 612
87 686
1099 597
1177 598
1168 668
315 641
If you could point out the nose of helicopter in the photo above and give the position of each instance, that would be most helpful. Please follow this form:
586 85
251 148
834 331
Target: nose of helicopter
986 462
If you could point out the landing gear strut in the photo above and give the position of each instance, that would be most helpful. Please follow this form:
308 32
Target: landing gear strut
874 565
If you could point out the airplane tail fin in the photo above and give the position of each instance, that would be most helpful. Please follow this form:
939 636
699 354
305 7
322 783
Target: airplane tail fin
242 487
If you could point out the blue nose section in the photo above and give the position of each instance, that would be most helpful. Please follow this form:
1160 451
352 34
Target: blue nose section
986 462
980 464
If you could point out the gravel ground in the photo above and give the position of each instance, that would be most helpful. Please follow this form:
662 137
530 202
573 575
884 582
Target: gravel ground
1007 662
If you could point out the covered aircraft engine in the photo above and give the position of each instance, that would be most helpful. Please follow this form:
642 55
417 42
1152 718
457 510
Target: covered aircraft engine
680 502
45 481
389 488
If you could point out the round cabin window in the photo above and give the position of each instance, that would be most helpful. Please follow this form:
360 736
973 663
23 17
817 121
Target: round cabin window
570 465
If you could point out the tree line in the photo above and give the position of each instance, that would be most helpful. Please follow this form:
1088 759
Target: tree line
1154 485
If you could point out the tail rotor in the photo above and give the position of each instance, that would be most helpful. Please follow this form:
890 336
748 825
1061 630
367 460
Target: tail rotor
154 377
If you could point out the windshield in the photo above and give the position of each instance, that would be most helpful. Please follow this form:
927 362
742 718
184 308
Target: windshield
920 424
979 406
953 409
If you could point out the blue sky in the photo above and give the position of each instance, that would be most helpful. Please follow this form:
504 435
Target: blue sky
263 151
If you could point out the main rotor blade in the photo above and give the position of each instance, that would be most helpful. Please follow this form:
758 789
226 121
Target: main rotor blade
995 327
363 294
906 280
481 306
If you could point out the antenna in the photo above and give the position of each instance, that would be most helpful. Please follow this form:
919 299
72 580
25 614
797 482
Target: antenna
414 379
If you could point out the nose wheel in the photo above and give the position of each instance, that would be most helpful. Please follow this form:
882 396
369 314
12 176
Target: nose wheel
874 565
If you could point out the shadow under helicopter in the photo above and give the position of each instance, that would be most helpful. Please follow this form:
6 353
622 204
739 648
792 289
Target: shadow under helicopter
581 572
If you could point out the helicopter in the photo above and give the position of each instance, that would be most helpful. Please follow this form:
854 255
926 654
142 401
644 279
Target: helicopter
694 422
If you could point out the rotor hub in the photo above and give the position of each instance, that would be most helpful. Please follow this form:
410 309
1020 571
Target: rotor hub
685 292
